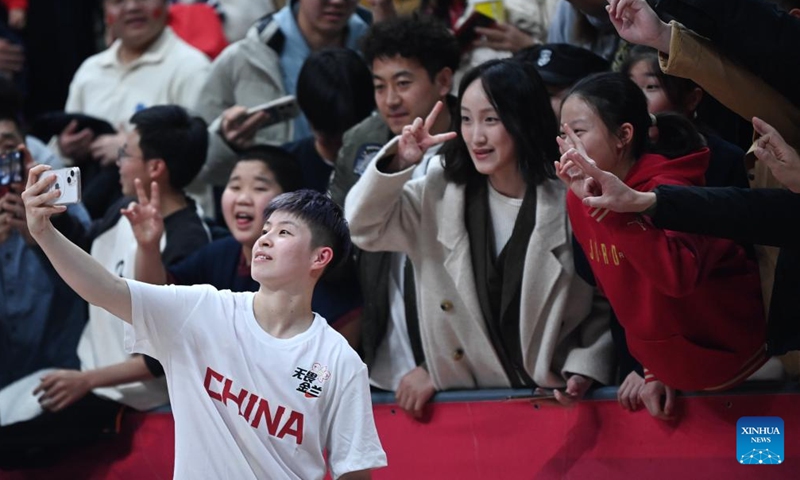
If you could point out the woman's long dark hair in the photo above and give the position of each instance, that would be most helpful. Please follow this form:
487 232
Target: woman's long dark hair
517 93
617 100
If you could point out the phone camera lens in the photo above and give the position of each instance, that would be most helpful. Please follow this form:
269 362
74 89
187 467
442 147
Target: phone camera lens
72 173
69 180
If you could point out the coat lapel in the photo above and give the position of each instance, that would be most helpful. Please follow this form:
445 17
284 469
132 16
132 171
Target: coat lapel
453 237
542 267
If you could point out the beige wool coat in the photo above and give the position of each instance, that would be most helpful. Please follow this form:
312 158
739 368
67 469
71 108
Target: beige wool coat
564 323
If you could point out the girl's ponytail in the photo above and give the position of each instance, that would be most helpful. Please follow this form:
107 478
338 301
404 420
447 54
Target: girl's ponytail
676 136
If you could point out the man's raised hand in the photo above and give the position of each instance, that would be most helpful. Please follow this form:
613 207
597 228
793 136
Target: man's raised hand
145 216
416 139
637 23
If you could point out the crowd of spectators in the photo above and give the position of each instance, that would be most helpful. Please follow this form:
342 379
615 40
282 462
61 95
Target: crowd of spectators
590 193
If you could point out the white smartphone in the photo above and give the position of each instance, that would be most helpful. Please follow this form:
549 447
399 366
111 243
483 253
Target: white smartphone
68 180
278 110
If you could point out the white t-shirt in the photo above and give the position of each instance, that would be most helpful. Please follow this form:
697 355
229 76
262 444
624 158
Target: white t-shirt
248 405
504 211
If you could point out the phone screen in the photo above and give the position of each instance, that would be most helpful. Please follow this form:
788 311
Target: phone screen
10 168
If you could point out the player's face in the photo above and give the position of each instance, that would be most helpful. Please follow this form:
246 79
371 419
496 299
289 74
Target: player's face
251 187
283 253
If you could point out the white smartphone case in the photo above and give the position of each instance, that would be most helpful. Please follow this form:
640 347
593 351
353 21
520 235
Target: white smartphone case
69 182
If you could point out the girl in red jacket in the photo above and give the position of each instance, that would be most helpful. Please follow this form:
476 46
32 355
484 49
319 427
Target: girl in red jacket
690 305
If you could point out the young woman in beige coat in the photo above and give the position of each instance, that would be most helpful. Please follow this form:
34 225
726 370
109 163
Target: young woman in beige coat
486 229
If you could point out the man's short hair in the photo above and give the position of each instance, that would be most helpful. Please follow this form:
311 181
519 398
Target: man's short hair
324 218
334 90
169 133
283 165
422 38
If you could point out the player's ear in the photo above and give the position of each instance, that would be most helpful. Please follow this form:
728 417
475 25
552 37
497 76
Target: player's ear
321 258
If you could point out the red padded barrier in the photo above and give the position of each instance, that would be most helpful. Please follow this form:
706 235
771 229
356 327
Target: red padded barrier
507 440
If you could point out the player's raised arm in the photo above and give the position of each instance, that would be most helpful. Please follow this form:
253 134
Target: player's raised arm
82 273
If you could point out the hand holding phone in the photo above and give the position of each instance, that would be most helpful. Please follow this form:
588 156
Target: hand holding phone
68 181
239 125
276 111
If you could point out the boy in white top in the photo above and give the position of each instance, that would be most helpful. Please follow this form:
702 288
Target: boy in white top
260 385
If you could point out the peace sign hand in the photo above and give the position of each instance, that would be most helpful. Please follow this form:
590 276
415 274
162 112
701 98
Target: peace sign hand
598 188
571 148
416 139
145 216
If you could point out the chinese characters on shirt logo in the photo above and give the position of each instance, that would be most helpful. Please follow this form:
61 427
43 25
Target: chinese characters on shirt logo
311 380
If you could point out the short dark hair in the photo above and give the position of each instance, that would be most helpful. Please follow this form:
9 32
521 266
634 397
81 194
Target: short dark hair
281 163
616 99
324 218
169 133
334 90
421 38
519 95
